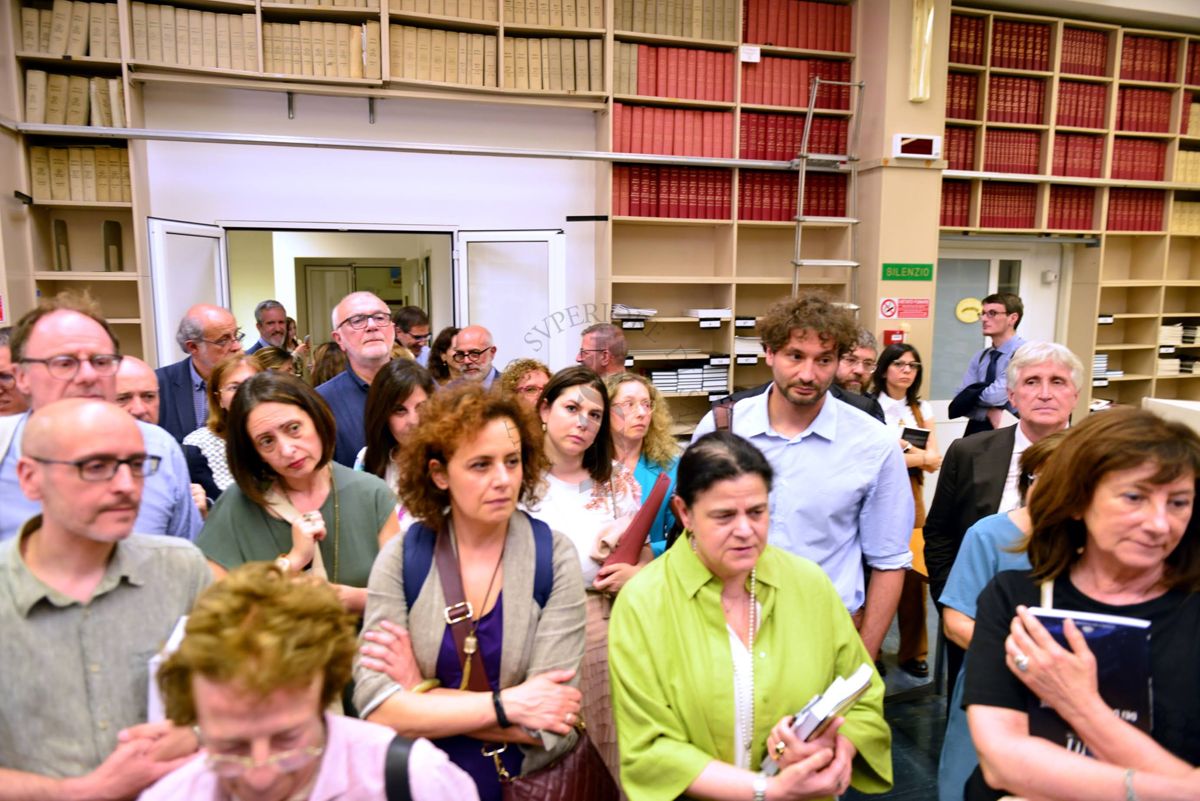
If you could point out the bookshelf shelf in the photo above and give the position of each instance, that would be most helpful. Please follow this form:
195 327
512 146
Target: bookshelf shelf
832 112
679 41
1020 72
1018 126
84 64
1072 76
288 11
677 102
957 66
445 22
1075 129
793 52
669 279
81 204
238 6
526 29
1124 346
1148 84
82 275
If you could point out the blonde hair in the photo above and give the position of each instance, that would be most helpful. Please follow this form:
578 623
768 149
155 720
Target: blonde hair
658 445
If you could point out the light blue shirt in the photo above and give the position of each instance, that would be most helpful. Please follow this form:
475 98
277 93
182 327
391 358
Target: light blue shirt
423 359
841 493
647 473
996 393
199 395
167 506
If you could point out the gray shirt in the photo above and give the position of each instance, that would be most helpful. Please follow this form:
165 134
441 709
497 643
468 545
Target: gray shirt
75 674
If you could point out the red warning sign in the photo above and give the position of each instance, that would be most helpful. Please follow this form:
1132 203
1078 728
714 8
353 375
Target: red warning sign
887 309
904 309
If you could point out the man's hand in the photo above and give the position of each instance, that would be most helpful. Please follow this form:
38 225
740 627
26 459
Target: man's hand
167 741
129 770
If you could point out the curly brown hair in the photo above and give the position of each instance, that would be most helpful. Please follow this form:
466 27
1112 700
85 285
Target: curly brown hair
451 417
517 369
658 445
832 324
261 631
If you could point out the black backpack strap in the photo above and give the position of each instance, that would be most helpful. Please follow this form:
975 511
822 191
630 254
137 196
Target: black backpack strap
395 769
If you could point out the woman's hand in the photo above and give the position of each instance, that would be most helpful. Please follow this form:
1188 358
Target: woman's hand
612 578
389 651
822 774
1061 678
931 461
544 702
307 530
797 750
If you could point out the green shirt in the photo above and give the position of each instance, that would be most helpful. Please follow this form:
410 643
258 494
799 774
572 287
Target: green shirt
238 530
672 670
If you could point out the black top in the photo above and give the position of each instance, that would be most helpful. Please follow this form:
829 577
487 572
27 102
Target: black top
1174 659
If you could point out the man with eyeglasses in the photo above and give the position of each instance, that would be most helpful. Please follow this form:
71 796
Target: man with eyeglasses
270 318
84 604
207 334
362 328
11 401
412 331
983 396
853 377
602 349
65 349
472 354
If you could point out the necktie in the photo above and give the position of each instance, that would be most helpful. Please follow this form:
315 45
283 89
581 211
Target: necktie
990 376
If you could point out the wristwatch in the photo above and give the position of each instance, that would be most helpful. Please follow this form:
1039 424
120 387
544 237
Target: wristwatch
760 787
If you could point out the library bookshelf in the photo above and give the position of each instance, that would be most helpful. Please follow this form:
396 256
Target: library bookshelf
1072 127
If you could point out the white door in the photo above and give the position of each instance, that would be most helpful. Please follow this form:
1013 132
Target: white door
187 266
324 287
509 282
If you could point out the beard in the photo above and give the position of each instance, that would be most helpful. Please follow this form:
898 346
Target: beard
817 395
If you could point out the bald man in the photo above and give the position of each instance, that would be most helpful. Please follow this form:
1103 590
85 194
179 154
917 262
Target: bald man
85 602
473 353
137 389
207 334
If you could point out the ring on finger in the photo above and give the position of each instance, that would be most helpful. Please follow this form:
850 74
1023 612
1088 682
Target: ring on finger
780 747
1021 661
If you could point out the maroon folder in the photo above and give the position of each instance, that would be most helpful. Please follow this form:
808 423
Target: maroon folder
629 546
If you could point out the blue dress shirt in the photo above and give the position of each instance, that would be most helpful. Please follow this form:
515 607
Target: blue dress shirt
346 394
199 396
646 473
841 493
996 393
166 508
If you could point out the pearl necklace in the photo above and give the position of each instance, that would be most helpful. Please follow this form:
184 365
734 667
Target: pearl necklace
748 739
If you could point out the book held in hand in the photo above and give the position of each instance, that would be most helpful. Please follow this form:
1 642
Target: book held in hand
917 437
1121 646
817 715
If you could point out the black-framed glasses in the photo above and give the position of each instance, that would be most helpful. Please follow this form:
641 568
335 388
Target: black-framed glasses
583 351
418 337
461 356
359 321
103 468
227 340
65 367
993 313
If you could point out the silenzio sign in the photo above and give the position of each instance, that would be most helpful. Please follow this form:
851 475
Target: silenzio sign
907 272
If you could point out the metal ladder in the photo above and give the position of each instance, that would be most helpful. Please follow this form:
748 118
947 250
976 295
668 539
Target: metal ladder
824 162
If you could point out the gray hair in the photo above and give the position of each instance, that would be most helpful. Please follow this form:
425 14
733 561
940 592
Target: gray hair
866 340
610 338
266 306
1034 353
5 336
191 329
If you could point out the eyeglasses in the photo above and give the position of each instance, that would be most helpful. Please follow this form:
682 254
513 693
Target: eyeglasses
583 351
359 321
417 337
990 313
229 389
854 361
64 368
532 389
461 356
230 766
227 340
629 405
906 367
103 468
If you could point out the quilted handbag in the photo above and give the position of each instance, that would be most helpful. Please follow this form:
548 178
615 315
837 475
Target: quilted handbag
578 776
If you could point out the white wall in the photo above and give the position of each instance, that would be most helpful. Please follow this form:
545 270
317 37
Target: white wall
251 277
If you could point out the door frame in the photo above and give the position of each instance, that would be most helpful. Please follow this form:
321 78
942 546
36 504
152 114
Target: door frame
158 229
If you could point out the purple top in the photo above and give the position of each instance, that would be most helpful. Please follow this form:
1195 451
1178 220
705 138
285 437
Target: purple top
465 751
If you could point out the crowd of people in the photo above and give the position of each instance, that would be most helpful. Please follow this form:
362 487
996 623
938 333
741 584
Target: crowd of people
385 568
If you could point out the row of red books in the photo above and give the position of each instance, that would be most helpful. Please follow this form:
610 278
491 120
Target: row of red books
1078 155
1007 205
674 72
1012 99
1144 110
956 204
1012 151
764 195
1135 210
672 131
797 23
1072 208
1139 159
1192 73
1021 45
1084 51
1081 105
1145 58
959 148
966 39
787 82
681 192
962 96
777 137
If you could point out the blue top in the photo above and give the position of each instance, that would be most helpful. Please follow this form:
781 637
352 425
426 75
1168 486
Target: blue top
166 508
346 395
465 751
841 495
996 393
646 473
199 396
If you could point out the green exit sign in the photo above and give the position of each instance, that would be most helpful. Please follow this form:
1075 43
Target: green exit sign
907 272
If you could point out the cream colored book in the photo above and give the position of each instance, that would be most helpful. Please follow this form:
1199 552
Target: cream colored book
35 95
208 33
424 53
60 174
556 12
454 8
39 173
297 50
568 65
77 33
112 31
510 58
29 29
552 75
116 98
569 16
224 45
183 45
373 61
471 8
395 52
123 172
343 49
331 49
317 47
103 188
60 27
88 156
250 40
543 12
595 65
77 100
195 36
660 16
75 172
491 10
98 110
514 12
452 57
57 87
170 47
141 48
535 64
355 34
475 65
306 48
408 52
421 6
437 55
621 68
489 60
96 31
437 7
464 58
581 65
45 26
273 46
237 47
154 50
521 63
531 16
596 8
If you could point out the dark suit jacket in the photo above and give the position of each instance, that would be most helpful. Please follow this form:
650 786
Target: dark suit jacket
861 402
969 487
176 412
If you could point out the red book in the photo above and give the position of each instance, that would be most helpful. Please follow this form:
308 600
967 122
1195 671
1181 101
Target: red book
688 82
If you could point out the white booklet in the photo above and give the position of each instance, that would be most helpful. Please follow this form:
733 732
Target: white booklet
823 709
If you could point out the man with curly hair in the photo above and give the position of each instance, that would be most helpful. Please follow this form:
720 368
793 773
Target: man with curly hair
841 496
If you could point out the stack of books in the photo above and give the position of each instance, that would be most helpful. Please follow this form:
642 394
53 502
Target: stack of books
1147 110
673 72
1100 365
1170 334
744 346
1084 52
1135 209
1187 365
1145 58
622 312
708 314
1082 105
966 39
1168 365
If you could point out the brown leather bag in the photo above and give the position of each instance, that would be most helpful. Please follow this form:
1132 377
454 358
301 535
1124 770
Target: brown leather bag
578 776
